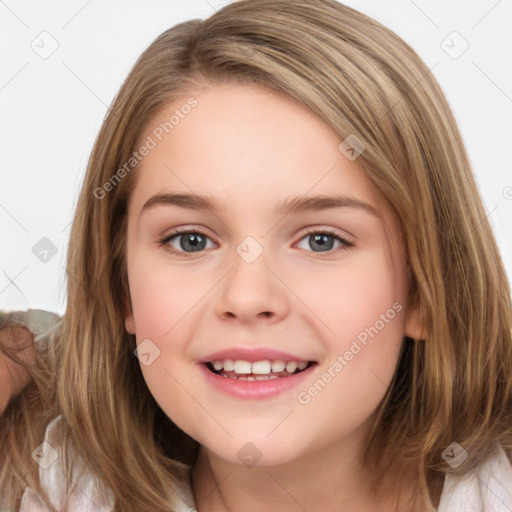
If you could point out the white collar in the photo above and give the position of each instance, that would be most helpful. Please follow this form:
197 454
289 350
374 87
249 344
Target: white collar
487 489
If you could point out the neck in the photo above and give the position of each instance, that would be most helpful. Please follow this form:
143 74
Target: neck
330 479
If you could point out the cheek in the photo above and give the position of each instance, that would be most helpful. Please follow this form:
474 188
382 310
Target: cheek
362 305
165 308
161 297
352 297
162 306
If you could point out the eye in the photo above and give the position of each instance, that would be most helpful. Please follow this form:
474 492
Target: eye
184 242
323 241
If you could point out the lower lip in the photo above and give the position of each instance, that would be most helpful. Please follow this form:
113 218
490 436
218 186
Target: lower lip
255 388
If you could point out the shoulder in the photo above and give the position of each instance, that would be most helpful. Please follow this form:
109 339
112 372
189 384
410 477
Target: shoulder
77 489
488 488
74 490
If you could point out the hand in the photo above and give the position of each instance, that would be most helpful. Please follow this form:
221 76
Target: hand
19 341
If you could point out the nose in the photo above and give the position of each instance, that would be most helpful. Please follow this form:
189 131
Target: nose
251 292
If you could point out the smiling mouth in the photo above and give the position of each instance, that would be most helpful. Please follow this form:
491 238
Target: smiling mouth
261 375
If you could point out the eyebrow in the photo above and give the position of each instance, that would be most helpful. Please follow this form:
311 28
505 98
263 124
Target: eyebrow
290 205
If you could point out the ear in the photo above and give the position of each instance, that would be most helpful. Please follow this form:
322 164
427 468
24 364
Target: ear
129 319
414 327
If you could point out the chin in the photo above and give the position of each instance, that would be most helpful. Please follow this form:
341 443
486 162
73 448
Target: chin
258 452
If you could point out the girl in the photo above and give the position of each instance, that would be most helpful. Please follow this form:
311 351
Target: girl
284 292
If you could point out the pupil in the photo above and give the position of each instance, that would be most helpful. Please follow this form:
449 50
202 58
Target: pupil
322 241
192 241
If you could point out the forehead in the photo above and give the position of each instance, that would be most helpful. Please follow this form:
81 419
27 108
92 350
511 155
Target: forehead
246 146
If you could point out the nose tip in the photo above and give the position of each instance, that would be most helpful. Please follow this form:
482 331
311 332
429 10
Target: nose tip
251 291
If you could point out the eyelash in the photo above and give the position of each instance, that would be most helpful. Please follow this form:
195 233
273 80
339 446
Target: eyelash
346 244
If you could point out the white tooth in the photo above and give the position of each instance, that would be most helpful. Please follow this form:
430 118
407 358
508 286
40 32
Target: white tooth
270 377
251 378
228 365
242 366
278 366
262 377
302 365
261 367
291 366
242 377
217 365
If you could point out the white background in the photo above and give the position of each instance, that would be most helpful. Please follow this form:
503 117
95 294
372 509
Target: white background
51 109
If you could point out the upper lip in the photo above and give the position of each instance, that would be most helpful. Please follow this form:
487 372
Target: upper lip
251 355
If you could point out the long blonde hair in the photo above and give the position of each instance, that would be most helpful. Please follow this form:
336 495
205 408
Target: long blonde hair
361 79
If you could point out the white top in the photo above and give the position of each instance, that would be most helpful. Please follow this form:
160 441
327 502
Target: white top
488 489
459 494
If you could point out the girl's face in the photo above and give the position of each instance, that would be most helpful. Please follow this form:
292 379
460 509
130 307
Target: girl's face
260 279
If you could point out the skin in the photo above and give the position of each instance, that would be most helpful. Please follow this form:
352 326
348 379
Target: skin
250 149
13 377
